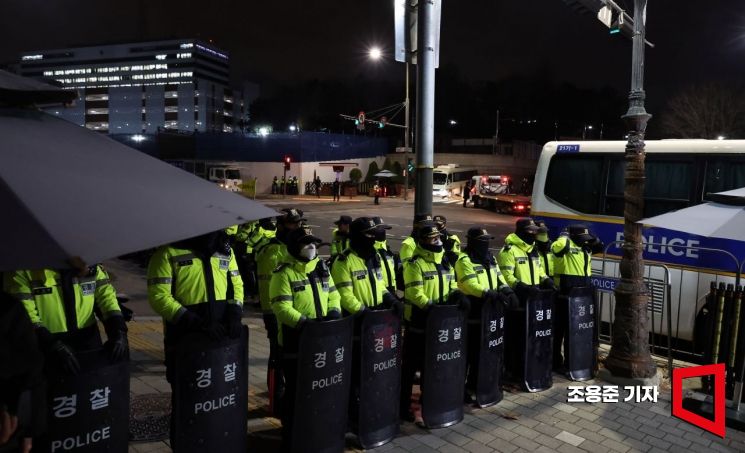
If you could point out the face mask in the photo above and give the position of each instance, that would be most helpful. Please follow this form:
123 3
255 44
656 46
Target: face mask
380 235
479 249
309 252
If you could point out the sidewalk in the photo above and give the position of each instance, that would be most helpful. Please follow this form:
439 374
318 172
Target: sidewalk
522 422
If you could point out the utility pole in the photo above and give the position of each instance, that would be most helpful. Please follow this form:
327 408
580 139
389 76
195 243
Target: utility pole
407 137
495 149
425 106
629 356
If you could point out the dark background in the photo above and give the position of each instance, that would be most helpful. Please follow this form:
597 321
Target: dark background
532 59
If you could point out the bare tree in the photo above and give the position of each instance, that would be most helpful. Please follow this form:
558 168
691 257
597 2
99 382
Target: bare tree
706 111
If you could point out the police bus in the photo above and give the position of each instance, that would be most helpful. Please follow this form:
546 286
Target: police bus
448 180
583 182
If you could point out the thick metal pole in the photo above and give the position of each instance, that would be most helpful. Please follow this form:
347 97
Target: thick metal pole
407 137
629 356
425 107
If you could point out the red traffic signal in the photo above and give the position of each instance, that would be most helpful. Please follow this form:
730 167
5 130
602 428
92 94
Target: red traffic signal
287 162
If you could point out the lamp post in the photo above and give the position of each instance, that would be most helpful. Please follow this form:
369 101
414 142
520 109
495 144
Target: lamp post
376 54
629 356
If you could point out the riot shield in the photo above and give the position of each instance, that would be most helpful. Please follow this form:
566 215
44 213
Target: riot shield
379 378
529 341
323 382
580 349
210 394
88 412
491 353
444 374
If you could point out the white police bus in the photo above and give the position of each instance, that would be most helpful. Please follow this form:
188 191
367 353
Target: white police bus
583 182
448 180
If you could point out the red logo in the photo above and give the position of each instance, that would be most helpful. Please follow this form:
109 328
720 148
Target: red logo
717 425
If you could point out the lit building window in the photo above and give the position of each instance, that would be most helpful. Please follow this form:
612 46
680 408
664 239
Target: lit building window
32 57
186 45
97 111
161 57
184 55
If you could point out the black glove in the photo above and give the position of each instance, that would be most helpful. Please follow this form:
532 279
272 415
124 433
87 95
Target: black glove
333 314
189 321
392 302
301 323
214 330
63 357
233 315
522 287
510 298
548 283
596 245
117 346
464 304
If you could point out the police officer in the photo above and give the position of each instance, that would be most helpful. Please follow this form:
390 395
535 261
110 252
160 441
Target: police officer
268 257
195 286
450 241
409 244
358 272
428 280
573 256
61 304
543 246
519 260
302 290
388 259
480 279
340 235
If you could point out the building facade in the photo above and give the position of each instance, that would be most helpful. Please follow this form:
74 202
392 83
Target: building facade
176 85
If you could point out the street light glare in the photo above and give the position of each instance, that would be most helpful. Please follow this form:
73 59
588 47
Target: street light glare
375 53
721 137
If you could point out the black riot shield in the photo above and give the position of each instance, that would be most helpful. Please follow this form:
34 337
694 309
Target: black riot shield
580 348
491 353
443 377
379 378
88 412
210 394
324 370
529 341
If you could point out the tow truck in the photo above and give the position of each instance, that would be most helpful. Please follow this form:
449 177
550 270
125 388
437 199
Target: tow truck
495 193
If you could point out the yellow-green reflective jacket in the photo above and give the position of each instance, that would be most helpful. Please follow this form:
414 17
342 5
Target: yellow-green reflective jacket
358 286
388 264
408 246
570 259
175 280
426 281
475 279
520 262
40 291
291 292
268 257
339 242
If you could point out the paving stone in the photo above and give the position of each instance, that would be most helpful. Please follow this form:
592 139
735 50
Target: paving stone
615 445
450 448
566 448
611 434
477 447
565 408
525 443
570 438
631 432
656 442
548 430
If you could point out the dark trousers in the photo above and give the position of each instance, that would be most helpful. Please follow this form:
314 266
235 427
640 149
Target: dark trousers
413 361
472 356
289 368
275 379
561 320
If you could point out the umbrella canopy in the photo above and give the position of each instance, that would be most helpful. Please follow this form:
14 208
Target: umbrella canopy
68 194
725 220
385 174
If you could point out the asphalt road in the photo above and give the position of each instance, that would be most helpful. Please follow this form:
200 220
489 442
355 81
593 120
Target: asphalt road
129 277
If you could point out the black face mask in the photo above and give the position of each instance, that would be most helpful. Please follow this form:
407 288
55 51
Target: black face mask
542 246
478 250
380 235
363 245
528 238
432 248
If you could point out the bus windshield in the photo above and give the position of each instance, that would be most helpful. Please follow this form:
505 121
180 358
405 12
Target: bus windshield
232 174
439 178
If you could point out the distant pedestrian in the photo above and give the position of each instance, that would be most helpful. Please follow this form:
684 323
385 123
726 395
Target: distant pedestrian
275 186
336 188
376 190
466 193
317 183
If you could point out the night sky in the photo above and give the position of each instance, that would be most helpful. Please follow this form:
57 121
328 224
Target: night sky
277 41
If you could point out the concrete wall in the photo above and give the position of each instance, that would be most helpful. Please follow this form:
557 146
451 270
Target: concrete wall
266 171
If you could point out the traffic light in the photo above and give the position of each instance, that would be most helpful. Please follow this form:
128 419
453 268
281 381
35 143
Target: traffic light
383 121
287 162
410 166
622 24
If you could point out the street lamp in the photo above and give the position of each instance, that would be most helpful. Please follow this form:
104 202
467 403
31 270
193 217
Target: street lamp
376 54
721 137
293 128
453 122
585 129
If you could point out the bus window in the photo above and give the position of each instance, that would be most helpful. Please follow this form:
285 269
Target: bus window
575 182
722 175
667 187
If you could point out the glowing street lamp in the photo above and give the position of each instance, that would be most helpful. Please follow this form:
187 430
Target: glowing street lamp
375 53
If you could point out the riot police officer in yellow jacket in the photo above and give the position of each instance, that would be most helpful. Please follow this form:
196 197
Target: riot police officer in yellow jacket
302 290
388 259
61 304
519 260
429 280
195 286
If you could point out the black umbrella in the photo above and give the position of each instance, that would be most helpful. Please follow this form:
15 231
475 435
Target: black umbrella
72 196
